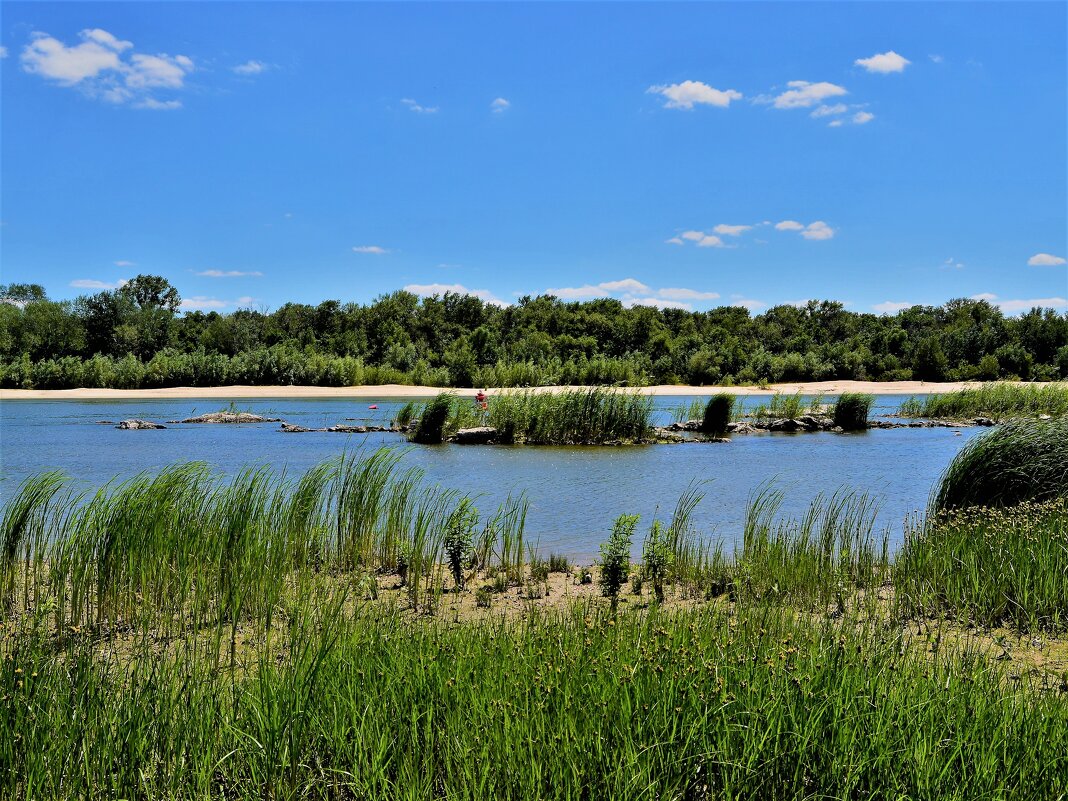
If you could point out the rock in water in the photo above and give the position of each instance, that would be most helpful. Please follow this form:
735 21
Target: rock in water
483 435
138 425
229 417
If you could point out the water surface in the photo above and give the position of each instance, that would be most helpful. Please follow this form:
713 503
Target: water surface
575 492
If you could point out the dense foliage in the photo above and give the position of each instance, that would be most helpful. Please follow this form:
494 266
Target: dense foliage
136 336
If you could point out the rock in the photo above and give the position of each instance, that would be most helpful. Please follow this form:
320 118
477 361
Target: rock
293 428
482 435
343 429
104 422
717 439
741 428
785 425
689 425
139 425
229 417
984 421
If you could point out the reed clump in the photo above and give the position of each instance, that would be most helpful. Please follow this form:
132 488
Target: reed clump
717 415
591 416
850 411
1017 461
997 400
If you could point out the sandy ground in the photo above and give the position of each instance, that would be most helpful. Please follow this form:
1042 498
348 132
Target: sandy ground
403 391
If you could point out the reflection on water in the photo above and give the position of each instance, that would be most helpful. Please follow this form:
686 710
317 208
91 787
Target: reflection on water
575 493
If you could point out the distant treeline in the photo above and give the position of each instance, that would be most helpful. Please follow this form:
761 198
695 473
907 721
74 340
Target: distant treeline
135 336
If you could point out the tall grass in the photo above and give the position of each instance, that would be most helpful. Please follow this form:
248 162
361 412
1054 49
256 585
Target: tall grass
587 416
783 407
994 567
718 413
999 401
850 411
685 412
1017 461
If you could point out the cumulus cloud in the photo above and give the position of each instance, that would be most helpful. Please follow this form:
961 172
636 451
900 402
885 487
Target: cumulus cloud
818 230
747 303
884 62
428 290
827 111
987 296
803 94
417 108
602 290
862 117
678 293
687 94
731 230
1045 260
92 283
250 67
890 306
102 68
937 59
789 225
202 303
632 292
374 250
657 303
499 105
230 274
702 240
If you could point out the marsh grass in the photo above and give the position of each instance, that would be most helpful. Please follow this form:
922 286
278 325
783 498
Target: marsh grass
780 407
717 414
991 566
850 411
998 400
683 413
573 417
1013 462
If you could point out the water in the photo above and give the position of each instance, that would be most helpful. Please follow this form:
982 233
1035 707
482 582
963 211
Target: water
575 493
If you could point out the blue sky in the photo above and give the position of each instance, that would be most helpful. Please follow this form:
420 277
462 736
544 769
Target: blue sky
670 154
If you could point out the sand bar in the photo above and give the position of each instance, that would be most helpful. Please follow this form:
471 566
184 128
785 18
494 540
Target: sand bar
405 391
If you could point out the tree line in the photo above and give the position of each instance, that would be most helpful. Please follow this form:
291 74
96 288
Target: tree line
136 336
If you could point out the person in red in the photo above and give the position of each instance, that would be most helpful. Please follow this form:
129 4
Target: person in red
480 397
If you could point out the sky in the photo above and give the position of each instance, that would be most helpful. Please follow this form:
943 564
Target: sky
691 155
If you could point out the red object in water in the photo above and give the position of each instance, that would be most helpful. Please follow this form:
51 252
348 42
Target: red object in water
373 406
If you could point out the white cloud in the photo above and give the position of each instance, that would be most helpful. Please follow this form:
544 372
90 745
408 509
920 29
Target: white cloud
889 306
702 240
862 117
1045 260
687 94
952 264
230 274
100 67
202 303
626 285
937 59
678 293
884 62
124 263
987 296
499 105
92 283
731 230
789 225
250 67
374 250
244 301
803 94
3 52
834 124
418 109
828 111
602 290
675 240
747 303
818 230
427 290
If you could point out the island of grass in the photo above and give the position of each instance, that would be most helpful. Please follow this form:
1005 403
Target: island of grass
358 633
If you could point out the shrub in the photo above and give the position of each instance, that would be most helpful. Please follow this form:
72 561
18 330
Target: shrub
718 413
1022 460
851 411
431 428
656 559
459 533
615 557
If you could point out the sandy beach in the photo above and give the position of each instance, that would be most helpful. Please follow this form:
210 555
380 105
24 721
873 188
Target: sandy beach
404 391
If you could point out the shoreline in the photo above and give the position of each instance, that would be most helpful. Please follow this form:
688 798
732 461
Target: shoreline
404 391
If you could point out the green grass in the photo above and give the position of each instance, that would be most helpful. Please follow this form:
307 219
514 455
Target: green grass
683 413
572 417
999 401
786 407
179 635
850 411
717 414
1016 461
994 567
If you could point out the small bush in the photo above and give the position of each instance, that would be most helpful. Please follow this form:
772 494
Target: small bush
1023 460
851 411
558 563
484 597
459 533
431 428
615 557
718 413
656 559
